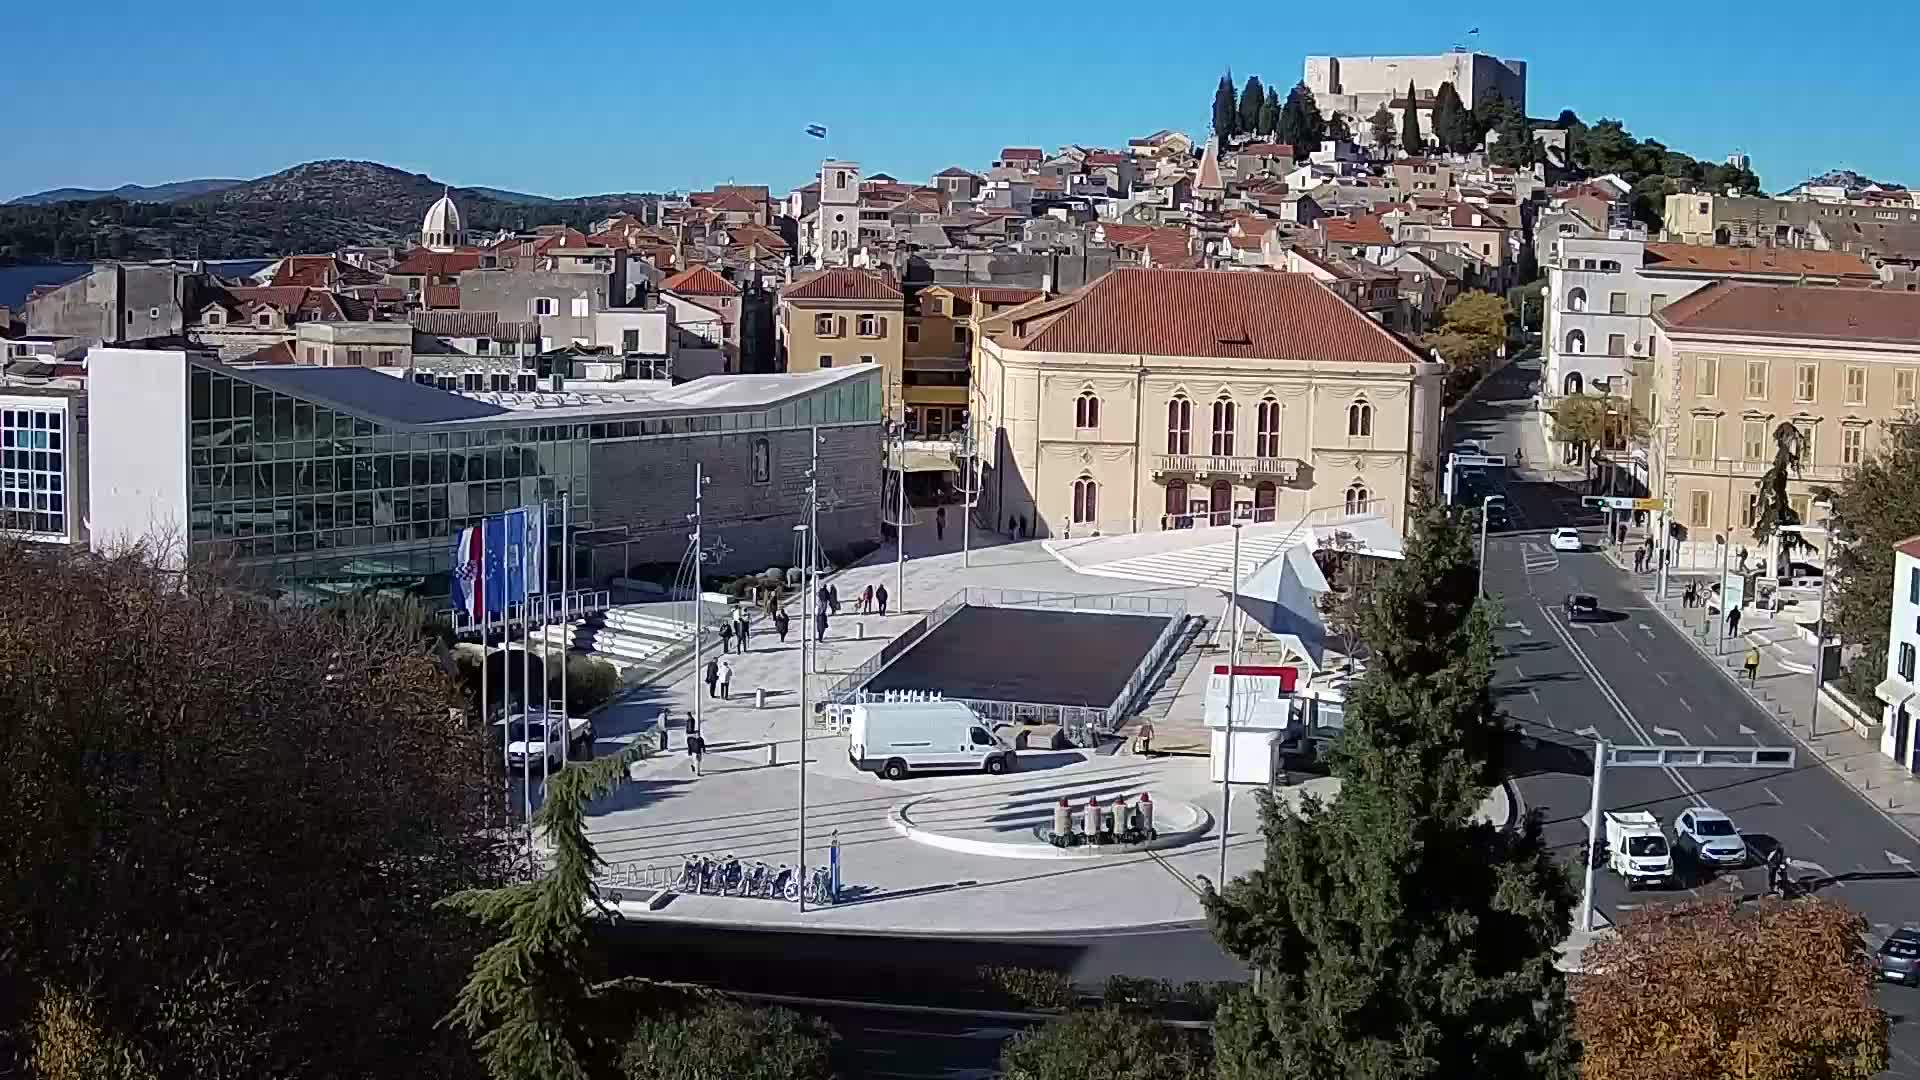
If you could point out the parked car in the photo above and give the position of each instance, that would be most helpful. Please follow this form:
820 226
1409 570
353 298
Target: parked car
1637 848
1497 518
1710 837
1565 540
1582 606
1898 959
528 737
894 739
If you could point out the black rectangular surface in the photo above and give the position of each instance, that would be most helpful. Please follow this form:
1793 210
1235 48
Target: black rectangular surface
1018 654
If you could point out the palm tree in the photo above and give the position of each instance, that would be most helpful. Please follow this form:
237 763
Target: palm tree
1773 508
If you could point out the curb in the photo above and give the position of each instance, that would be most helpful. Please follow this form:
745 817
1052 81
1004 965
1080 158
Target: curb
898 820
1516 806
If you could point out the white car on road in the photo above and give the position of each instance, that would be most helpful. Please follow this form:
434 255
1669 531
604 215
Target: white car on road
1565 540
528 738
1710 837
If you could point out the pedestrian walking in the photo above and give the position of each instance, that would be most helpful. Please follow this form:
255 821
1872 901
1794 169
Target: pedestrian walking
820 599
880 597
866 599
780 624
1753 665
1733 621
819 624
1013 526
712 676
726 637
1691 596
726 679
833 599
940 523
745 628
696 749
1639 561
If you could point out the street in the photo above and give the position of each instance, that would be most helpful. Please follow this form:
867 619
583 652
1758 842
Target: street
1633 679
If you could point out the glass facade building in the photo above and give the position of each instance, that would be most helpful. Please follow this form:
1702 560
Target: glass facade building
33 468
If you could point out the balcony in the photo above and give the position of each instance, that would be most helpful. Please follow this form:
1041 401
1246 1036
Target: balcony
1204 466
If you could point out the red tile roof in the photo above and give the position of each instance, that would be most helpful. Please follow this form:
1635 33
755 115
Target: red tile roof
280 352
957 171
320 272
1106 157
699 281
1829 312
1909 546
1268 149
442 296
423 262
1224 314
843 283
1003 294
733 202
1021 153
1357 230
1787 262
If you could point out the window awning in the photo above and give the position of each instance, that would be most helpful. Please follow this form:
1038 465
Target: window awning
1894 691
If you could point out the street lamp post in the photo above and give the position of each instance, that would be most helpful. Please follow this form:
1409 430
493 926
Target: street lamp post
1484 504
1233 663
1820 627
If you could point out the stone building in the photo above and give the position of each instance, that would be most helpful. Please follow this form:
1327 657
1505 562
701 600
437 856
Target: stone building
119 302
1357 86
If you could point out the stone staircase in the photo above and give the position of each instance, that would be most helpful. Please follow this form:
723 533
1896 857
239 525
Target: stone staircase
1186 656
626 636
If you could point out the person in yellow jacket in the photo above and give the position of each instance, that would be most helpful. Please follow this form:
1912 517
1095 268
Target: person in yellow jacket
1753 665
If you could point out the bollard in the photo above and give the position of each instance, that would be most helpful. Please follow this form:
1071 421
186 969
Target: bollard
1119 813
1061 813
1146 812
1091 822
759 697
773 753
859 631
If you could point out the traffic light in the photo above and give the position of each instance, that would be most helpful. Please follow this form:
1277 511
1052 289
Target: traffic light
1600 855
1593 502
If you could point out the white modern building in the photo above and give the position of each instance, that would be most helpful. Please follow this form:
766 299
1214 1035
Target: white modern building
1898 739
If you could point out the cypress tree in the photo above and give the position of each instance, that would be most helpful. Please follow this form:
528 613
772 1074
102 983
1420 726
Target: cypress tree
1226 114
1382 124
1410 138
1451 128
1270 113
1252 98
1396 936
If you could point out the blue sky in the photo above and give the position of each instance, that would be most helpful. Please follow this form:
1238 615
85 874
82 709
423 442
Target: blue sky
586 97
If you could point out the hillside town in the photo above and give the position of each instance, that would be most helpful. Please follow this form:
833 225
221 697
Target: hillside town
1381 323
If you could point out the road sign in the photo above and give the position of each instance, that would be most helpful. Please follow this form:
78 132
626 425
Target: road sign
1617 502
1649 504
1699 757
1477 459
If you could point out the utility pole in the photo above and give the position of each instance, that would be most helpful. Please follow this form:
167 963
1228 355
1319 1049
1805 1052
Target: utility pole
1233 664
1593 831
700 481
900 517
966 494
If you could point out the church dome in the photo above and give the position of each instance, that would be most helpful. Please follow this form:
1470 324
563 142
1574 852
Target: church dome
441 227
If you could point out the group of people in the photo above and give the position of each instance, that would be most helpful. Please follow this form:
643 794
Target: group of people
735 631
1646 559
719 678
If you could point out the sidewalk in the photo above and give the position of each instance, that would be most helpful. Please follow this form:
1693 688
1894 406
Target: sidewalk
1784 690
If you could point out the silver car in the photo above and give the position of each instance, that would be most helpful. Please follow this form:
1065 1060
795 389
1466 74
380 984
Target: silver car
1710 837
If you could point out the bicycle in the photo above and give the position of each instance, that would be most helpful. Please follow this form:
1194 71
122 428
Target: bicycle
820 886
782 884
728 876
692 873
755 884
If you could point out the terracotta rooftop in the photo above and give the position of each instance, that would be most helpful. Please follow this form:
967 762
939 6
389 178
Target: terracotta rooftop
1217 313
1830 312
1357 230
1021 153
421 261
1909 546
321 272
1787 262
442 296
1268 149
1003 294
843 283
475 324
956 171
699 281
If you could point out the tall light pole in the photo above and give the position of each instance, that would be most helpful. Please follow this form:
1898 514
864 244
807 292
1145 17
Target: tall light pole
1593 831
700 482
1820 631
900 520
1484 504
966 493
810 544
1233 664
1720 637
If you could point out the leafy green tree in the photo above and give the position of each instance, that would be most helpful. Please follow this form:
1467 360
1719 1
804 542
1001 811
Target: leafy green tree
1381 124
1226 113
1590 420
1775 508
1270 113
1516 147
1411 140
1253 97
1876 507
1452 127
718 1039
1107 1043
1394 935
1338 129
1300 122
530 1000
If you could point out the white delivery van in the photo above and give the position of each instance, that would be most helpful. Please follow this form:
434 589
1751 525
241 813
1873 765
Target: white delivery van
893 739
1637 848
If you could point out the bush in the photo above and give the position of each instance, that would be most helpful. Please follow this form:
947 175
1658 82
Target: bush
1107 1043
1163 997
590 683
718 1039
1032 988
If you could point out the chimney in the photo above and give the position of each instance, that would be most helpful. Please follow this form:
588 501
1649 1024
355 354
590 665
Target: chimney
1046 284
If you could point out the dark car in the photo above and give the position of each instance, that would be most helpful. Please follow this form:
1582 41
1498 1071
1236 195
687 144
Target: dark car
1582 606
1899 957
1497 516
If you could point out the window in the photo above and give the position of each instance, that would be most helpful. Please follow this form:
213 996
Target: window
482 346
1576 341
1806 382
1913 587
1223 427
1750 510
630 341
1903 388
1179 426
1085 501
1853 444
1608 266
1616 344
1086 411
1360 418
1177 517
1757 380
826 360
1856 386
1706 377
1906 661
1357 498
213 318
1754 439
1656 302
761 461
33 484
1805 428
264 319
962 335
913 334
356 358
386 357
543 305
1266 438
867 326
1617 303
1703 431
866 358
1577 300
1699 509
582 307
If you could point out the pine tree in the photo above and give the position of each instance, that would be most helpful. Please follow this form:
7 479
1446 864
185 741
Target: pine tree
1252 98
1410 138
1226 114
1300 123
1382 125
1337 129
1270 113
1396 937
1451 128
1773 508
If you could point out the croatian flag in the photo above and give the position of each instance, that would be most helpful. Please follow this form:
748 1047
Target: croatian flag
468 573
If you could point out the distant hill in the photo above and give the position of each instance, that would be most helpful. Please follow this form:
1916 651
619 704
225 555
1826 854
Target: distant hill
158 193
317 206
1845 178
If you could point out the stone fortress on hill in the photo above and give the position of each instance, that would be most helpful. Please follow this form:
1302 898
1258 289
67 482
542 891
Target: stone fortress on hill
1359 85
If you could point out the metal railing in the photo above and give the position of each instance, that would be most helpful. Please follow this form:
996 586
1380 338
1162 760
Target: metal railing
560 608
1120 603
1245 465
1130 694
842 691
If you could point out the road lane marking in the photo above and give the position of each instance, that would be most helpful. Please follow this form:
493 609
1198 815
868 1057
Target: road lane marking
1709 732
1536 701
1817 832
1771 795
1683 702
1641 655
1662 676
1668 733
1622 633
1607 692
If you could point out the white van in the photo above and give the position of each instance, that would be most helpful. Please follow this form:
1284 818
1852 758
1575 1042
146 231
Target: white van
892 739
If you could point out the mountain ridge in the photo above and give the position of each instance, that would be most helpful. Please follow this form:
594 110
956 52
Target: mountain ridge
156 193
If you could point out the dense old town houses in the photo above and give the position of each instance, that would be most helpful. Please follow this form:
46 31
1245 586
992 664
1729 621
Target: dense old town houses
1165 399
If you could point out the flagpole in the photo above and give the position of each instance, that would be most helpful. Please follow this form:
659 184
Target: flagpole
566 614
528 534
526 688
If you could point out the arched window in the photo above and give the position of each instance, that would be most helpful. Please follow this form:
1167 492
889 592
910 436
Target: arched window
1572 384
1576 341
1266 438
1220 502
1360 418
1223 427
1086 411
1577 300
1177 505
1085 501
1179 426
1357 498
1265 495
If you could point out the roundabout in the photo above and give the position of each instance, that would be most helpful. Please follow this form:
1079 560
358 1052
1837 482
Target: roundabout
965 826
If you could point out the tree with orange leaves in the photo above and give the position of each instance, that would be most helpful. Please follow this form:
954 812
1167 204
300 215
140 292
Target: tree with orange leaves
1708 989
